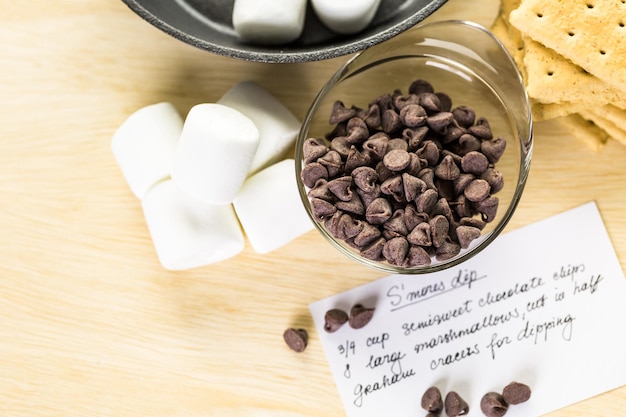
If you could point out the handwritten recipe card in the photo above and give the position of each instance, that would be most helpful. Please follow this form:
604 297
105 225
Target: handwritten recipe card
544 305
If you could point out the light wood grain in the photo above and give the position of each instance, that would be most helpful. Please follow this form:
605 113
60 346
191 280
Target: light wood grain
90 324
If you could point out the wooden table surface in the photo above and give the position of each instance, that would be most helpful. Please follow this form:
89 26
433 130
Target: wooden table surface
90 323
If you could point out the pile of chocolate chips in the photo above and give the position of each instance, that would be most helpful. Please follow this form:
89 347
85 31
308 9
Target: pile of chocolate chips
406 180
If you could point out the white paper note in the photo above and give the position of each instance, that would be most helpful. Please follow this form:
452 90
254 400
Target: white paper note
543 305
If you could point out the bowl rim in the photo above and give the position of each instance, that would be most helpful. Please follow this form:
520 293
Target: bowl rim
258 53
525 145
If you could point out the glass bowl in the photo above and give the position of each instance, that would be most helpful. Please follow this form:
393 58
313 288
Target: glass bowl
435 70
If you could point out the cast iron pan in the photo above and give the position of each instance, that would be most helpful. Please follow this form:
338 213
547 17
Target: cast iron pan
207 24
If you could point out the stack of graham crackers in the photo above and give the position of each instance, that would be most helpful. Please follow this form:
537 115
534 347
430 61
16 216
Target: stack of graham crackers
572 56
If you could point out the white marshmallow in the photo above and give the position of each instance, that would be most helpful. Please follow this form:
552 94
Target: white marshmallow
270 209
269 21
346 16
189 233
278 127
214 153
145 143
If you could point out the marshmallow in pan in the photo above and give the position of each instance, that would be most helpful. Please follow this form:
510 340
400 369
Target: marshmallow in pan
269 21
145 143
278 127
188 233
270 209
214 152
345 16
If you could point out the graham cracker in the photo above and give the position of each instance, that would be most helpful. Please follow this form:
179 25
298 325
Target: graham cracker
548 111
614 114
550 78
599 118
585 130
590 33
512 40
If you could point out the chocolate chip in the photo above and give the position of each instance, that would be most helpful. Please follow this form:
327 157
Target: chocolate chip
516 393
447 250
477 190
341 145
420 235
430 102
430 152
367 235
321 208
355 159
341 188
360 316
439 122
420 86
414 136
340 113
481 129
455 405
395 250
332 161
413 115
438 229
396 223
372 117
379 211
357 131
354 206
313 148
447 169
417 256
493 404
474 163
313 172
432 400
493 149
426 192
391 121
464 116
487 208
376 145
393 187
494 178
296 339
396 159
334 319
445 102
466 234
374 251
426 201
365 178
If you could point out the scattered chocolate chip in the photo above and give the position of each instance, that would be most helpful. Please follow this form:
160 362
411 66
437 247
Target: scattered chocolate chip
296 339
493 404
516 393
334 319
455 405
432 400
360 316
